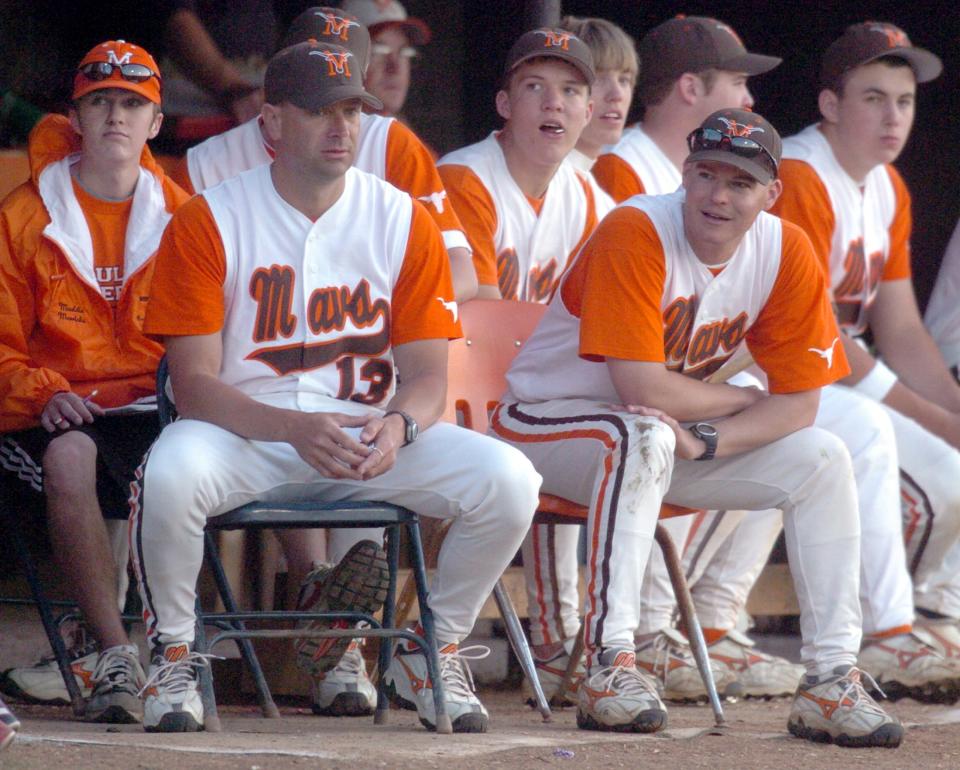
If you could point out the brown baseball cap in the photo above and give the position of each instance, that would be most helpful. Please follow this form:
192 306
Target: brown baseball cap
333 26
380 14
118 64
739 138
555 43
694 44
863 43
313 75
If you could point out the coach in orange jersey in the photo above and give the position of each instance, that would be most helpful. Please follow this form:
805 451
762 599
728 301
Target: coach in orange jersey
311 283
742 280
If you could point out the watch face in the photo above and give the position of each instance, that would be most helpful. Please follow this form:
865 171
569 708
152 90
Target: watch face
705 430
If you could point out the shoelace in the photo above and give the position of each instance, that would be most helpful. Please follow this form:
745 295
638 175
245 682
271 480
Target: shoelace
176 676
666 646
351 664
857 693
113 665
455 672
624 680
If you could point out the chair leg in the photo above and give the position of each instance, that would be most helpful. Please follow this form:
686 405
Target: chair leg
269 708
688 616
46 614
389 611
521 647
211 716
432 653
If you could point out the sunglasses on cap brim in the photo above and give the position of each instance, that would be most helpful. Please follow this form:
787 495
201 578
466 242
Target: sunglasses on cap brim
742 146
102 70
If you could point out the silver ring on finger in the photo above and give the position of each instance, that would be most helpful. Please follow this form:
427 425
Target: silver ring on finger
378 449
60 420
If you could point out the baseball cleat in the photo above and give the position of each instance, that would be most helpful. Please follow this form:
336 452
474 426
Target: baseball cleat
117 682
9 724
757 674
906 666
551 673
173 703
667 657
345 690
357 584
407 679
839 710
617 696
942 634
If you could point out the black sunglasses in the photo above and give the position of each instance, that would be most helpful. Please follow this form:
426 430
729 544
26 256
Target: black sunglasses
101 70
714 139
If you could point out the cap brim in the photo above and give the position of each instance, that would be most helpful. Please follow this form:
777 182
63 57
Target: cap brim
588 74
751 63
757 170
416 30
925 65
316 99
148 89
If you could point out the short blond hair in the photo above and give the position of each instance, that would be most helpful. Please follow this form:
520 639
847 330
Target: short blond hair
612 48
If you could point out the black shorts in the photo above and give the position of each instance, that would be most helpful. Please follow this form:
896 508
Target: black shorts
121 443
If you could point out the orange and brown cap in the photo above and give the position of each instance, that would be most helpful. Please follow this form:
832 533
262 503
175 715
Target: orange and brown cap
553 43
870 40
381 14
738 138
313 75
118 64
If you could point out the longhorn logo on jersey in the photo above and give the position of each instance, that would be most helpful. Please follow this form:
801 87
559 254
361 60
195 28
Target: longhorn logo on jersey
555 39
740 129
329 309
699 352
338 64
337 26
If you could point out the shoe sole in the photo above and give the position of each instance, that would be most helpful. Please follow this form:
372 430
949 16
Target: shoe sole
345 704
358 583
886 736
114 715
649 721
468 723
175 723
945 692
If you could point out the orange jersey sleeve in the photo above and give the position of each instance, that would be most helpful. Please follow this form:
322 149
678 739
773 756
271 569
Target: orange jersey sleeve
795 339
422 305
617 177
806 203
411 168
186 296
616 287
473 204
898 263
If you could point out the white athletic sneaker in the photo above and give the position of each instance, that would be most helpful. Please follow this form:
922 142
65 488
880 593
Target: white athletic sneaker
173 702
906 666
407 679
616 695
117 682
839 710
345 690
9 724
551 672
42 682
758 674
357 584
667 657
943 634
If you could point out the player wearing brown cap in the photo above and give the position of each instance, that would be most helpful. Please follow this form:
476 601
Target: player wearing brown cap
77 243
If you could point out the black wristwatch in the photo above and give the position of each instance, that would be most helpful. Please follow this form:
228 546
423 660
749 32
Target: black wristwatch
708 435
411 431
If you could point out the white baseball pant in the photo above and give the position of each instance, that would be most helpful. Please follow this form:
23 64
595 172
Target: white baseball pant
197 470
622 467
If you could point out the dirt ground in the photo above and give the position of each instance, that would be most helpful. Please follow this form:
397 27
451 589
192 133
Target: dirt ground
756 737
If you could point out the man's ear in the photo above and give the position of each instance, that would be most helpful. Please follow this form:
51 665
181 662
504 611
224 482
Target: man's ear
773 192
155 127
74 119
689 87
503 104
270 113
829 104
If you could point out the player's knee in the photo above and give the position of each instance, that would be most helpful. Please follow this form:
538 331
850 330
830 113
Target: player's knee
176 466
514 481
821 452
70 465
653 441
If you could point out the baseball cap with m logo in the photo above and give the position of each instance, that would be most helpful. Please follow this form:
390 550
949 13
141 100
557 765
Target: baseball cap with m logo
313 75
552 43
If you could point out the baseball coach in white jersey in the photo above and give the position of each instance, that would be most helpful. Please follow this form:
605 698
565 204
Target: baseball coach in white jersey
311 283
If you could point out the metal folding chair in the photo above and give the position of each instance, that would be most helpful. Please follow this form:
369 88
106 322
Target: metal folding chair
232 623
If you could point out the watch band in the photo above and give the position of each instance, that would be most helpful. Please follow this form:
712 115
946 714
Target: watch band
411 429
708 435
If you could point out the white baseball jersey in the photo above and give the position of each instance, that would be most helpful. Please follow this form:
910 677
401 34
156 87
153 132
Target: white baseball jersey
305 307
604 203
861 231
943 312
523 250
705 318
385 148
636 166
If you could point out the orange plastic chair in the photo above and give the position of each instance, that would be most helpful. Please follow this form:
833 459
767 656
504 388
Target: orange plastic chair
494 331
